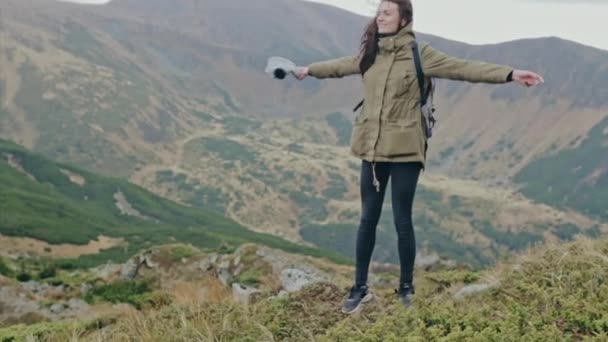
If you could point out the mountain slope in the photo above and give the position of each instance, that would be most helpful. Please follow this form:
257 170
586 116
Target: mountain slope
575 177
63 204
488 132
308 191
173 98
161 67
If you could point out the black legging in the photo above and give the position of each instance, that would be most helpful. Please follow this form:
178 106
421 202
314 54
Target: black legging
404 178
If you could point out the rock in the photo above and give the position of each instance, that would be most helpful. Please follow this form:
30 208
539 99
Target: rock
262 252
61 288
85 288
147 260
242 293
223 272
434 262
15 303
224 276
128 271
57 308
238 270
106 271
293 272
428 261
237 260
224 264
473 289
205 265
279 295
35 287
294 279
213 258
78 304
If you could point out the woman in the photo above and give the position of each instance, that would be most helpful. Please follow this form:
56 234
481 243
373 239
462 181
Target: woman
388 135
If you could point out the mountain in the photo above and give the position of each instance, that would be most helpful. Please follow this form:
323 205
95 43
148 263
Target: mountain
62 206
173 98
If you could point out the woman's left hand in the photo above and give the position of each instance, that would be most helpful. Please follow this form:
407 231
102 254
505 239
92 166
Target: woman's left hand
527 78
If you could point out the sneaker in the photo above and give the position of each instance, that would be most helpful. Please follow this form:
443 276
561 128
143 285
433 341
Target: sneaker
358 295
405 293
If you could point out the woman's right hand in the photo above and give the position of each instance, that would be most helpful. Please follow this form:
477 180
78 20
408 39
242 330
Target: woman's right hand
301 73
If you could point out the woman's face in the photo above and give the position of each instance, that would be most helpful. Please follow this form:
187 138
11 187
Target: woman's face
387 18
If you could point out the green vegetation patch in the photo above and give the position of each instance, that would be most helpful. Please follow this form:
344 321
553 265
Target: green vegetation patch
54 209
561 179
226 149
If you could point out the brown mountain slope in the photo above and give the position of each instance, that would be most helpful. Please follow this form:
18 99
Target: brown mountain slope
488 132
173 96
189 51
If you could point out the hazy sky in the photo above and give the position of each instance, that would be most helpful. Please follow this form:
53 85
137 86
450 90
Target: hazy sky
493 21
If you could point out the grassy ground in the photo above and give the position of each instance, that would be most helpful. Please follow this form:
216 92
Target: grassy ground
551 293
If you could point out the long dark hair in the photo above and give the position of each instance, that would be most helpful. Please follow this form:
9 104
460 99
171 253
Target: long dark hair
369 40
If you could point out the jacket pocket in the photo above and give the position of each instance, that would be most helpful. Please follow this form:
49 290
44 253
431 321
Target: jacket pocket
399 139
359 135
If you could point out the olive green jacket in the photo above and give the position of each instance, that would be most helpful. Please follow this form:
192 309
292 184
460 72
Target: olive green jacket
389 127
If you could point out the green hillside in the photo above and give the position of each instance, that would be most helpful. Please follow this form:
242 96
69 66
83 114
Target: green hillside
572 177
40 201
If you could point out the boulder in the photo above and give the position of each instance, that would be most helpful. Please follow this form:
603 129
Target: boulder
242 293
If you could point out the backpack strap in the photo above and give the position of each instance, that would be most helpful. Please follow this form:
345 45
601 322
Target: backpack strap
359 105
429 120
420 74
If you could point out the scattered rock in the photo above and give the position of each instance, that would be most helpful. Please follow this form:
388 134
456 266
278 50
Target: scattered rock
15 303
293 273
106 271
57 308
238 270
205 265
223 272
224 264
224 276
294 279
473 289
147 261
242 293
129 270
433 262
35 287
85 288
77 304
428 261
262 252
